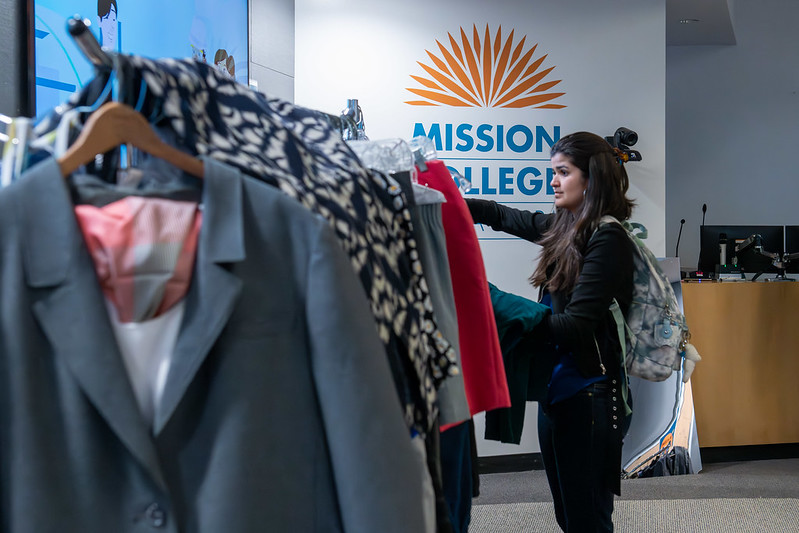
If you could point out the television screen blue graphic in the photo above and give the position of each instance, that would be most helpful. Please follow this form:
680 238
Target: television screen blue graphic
212 31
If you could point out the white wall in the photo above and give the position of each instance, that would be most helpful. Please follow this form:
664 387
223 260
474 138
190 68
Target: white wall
730 111
732 126
609 55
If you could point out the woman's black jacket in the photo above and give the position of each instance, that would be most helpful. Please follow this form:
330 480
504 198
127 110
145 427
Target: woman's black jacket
580 321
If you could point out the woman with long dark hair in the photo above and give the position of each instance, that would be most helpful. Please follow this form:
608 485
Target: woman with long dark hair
583 267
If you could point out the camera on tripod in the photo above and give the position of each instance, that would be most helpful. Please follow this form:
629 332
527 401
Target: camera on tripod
621 142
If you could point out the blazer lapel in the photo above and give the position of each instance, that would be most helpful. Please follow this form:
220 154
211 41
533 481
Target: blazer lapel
72 312
214 289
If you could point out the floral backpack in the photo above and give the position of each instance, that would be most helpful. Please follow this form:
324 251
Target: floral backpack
655 335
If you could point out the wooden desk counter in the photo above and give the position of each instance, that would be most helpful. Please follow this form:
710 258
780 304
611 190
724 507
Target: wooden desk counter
746 388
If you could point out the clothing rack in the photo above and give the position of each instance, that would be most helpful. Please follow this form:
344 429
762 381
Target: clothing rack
353 113
346 127
78 28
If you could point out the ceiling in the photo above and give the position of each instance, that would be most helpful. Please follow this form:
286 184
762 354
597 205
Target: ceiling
713 22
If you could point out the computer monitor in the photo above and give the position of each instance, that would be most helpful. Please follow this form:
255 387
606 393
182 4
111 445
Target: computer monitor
792 247
772 238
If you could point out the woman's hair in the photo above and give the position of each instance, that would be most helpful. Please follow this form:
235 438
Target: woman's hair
561 255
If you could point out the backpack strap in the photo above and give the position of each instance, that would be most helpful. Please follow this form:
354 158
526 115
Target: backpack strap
615 309
621 327
635 229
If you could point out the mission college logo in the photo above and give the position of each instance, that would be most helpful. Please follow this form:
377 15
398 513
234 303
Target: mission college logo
507 113
486 72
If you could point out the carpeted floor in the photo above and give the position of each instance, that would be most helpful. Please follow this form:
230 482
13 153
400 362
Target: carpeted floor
732 497
718 515
777 478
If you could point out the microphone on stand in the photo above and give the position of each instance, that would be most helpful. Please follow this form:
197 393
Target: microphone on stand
677 248
699 263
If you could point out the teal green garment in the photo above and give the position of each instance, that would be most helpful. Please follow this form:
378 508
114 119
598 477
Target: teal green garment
528 362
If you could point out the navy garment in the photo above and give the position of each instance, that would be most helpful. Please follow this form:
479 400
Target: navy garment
432 443
580 453
457 468
567 380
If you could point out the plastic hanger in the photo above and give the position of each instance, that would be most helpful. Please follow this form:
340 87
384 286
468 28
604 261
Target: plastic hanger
57 139
6 121
71 119
115 124
422 195
424 150
6 150
15 148
385 155
141 135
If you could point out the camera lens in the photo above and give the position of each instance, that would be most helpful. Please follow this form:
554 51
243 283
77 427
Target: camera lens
626 136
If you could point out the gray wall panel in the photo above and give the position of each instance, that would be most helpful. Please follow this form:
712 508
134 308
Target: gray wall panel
732 126
272 46
272 82
16 57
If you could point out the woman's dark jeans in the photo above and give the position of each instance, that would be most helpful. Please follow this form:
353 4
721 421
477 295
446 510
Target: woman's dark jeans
577 441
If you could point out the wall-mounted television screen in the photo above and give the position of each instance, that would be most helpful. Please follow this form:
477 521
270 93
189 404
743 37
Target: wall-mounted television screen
213 31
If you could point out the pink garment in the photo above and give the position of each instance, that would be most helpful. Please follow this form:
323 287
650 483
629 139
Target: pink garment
481 356
143 251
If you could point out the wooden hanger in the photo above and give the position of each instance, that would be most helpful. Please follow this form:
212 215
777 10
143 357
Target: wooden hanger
115 124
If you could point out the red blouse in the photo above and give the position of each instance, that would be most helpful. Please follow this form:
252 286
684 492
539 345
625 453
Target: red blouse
481 357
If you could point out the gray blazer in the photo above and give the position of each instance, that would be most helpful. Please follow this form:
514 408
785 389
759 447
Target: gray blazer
279 411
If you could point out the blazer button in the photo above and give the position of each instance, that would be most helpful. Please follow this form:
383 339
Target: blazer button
156 515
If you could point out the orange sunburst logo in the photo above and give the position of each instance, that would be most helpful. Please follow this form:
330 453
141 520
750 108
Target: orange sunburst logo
485 73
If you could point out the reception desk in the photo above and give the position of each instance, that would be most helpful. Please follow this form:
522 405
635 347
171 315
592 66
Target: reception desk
746 388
